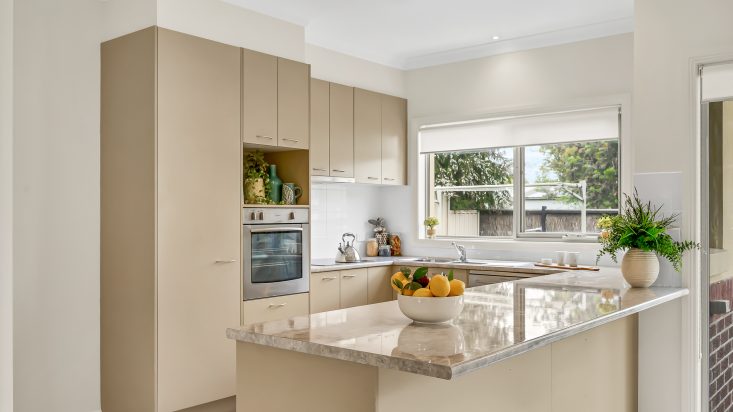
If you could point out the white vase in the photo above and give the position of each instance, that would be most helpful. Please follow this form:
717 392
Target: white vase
640 268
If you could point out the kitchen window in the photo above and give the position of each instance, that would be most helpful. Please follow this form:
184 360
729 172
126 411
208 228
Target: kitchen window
550 175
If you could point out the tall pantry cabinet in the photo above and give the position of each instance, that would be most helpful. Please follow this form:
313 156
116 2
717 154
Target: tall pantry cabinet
171 229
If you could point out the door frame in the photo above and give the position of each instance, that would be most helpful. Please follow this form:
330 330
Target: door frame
700 278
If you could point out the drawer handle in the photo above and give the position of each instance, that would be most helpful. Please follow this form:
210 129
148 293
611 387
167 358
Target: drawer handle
262 136
390 179
329 278
349 276
338 170
372 178
226 261
276 305
317 169
291 140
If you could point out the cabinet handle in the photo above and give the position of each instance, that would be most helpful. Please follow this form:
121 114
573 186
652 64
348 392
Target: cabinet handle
338 170
372 178
262 136
291 140
329 278
349 276
276 305
226 261
390 179
317 169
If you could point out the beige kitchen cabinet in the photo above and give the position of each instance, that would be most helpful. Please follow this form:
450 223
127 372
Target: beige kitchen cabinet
319 128
280 307
293 100
354 288
325 291
341 138
367 137
461 274
394 140
170 268
378 287
259 98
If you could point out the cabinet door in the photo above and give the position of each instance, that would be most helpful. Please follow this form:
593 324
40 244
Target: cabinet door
353 287
461 274
325 291
293 85
198 217
319 138
259 98
367 137
342 130
394 140
378 288
281 307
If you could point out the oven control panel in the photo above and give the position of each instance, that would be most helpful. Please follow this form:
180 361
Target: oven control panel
268 215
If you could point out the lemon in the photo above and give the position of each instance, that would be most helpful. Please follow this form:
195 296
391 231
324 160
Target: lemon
457 287
399 276
439 286
423 293
408 292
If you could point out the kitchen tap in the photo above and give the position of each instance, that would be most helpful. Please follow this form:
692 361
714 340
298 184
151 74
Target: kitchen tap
461 251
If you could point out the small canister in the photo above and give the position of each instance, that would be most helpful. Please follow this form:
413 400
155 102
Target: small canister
372 247
385 250
396 243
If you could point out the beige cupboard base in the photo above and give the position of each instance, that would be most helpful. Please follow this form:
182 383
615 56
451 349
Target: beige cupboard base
594 370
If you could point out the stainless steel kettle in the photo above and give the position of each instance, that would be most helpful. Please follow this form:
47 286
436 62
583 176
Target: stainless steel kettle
349 251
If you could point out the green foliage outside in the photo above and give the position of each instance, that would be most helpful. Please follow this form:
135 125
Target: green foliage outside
475 168
594 162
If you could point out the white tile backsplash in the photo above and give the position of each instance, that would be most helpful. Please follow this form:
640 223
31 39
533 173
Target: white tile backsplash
339 208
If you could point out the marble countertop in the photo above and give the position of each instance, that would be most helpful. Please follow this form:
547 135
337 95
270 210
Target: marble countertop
327 265
498 321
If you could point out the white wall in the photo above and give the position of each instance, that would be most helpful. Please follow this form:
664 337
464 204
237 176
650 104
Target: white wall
226 23
6 205
668 36
352 71
571 74
340 208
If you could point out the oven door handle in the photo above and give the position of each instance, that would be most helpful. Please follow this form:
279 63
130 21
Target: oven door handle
277 229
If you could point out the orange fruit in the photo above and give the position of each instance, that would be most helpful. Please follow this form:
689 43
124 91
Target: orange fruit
457 287
439 286
423 293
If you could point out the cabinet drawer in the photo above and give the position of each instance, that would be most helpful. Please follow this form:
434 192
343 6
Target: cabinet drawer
353 288
281 307
325 291
379 289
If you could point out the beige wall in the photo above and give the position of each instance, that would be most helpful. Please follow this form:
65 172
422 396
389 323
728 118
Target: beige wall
226 23
6 205
576 73
340 68
668 36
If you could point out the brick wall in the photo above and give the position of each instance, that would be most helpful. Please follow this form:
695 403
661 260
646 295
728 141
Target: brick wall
721 351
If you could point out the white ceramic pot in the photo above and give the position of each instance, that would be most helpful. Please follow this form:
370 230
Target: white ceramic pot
640 269
430 310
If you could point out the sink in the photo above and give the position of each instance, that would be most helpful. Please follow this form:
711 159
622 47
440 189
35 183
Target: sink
434 260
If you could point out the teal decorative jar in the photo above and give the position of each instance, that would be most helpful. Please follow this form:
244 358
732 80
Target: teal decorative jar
276 185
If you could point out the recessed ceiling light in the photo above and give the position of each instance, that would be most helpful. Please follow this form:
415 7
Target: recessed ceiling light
495 38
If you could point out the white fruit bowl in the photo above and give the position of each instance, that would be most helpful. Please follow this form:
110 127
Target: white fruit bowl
430 310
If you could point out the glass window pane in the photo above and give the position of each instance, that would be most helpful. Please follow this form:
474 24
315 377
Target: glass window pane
564 180
471 192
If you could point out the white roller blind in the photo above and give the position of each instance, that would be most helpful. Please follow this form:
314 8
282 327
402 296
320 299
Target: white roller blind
579 125
717 82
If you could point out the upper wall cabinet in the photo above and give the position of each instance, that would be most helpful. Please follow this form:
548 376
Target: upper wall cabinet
259 98
275 100
293 100
320 126
341 120
367 137
394 140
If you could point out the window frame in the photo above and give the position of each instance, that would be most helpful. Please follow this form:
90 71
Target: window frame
519 186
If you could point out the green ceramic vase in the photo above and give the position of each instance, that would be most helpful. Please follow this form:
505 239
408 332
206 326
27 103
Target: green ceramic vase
276 185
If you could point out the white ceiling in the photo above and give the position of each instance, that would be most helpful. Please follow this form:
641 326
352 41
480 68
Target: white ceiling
417 33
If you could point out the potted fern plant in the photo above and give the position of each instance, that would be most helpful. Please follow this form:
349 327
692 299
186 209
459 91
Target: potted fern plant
642 233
